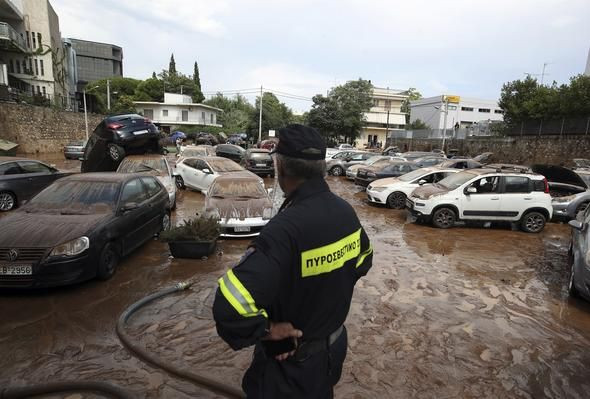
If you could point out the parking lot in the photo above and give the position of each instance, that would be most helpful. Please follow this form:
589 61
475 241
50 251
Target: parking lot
464 312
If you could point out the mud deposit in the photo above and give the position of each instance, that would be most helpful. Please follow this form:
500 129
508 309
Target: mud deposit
467 312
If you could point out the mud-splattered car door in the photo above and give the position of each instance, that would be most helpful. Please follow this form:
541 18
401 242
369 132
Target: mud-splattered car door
135 217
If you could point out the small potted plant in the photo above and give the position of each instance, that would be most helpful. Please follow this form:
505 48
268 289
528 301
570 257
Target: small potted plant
193 238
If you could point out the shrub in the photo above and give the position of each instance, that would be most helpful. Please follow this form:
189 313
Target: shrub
200 228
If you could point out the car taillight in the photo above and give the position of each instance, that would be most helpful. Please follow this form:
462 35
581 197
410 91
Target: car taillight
114 125
546 186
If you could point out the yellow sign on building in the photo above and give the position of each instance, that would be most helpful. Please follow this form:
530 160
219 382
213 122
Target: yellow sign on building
452 99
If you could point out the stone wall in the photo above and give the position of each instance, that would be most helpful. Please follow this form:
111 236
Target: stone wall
519 150
42 129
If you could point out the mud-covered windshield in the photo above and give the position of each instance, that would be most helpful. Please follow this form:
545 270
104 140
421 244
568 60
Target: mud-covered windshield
129 165
194 152
456 180
412 175
76 197
224 165
237 188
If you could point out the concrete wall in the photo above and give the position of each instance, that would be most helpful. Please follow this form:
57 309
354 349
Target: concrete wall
526 150
42 129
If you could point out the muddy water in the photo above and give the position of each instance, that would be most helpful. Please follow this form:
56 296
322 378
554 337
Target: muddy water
466 312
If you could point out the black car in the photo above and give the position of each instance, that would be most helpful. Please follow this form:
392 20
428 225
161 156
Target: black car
21 179
365 176
205 139
117 136
233 152
259 161
79 227
459 164
579 281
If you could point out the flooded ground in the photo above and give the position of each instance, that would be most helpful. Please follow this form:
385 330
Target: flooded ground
466 312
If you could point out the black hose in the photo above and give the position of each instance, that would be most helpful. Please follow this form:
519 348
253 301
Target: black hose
198 379
65 386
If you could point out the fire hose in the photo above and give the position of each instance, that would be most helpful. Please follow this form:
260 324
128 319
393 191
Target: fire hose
65 386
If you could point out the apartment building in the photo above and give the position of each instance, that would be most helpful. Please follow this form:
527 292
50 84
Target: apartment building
95 61
384 116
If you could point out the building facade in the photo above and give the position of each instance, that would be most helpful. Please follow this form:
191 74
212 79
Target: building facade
463 112
178 110
384 116
95 61
32 52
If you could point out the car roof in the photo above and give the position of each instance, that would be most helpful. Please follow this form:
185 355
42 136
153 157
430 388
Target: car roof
223 178
107 177
487 171
258 150
5 159
206 158
145 156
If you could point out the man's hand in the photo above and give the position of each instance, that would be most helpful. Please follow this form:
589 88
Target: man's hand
280 331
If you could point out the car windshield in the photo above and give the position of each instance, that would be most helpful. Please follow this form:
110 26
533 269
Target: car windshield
134 165
375 159
224 165
413 175
76 198
260 155
193 152
237 188
455 180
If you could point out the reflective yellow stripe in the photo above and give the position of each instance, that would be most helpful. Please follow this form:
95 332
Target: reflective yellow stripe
362 256
332 256
238 296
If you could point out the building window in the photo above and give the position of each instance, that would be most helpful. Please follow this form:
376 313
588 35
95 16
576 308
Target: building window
17 66
39 90
467 109
452 107
485 110
148 113
184 115
42 68
33 40
30 66
203 116
36 67
164 112
24 66
44 92
498 111
212 121
28 39
11 66
39 39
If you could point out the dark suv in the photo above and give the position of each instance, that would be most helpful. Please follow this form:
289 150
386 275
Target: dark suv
117 136
259 161
233 152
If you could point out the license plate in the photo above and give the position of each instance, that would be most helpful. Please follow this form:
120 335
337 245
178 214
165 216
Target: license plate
242 229
140 132
260 165
16 270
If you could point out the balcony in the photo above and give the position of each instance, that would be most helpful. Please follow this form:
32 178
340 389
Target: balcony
10 40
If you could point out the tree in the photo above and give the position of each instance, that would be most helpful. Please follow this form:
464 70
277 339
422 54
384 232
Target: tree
151 89
177 83
198 96
172 66
417 125
236 114
275 115
412 94
119 88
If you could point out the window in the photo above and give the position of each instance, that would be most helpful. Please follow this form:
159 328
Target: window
212 118
148 113
42 68
498 111
153 188
44 92
24 66
28 39
133 192
357 157
36 67
203 116
9 168
17 63
200 164
185 116
30 66
515 184
452 107
33 40
468 109
39 90
11 66
164 112
487 185
39 39
33 167
485 110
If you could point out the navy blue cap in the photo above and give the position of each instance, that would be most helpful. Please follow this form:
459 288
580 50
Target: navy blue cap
299 141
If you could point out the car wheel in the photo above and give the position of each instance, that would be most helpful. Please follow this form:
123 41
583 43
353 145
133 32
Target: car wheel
107 264
116 152
533 222
444 218
336 171
179 182
7 201
396 200
165 221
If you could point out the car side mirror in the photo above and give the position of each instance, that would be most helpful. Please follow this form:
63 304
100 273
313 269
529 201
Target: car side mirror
422 182
129 206
207 171
576 224
470 190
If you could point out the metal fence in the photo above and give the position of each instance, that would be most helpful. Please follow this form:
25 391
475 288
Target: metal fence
457 134
40 99
556 127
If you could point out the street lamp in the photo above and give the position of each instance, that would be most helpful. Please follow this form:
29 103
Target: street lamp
85 111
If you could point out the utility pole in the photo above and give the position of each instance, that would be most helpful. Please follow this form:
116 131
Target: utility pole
181 86
108 94
387 126
260 118
85 114
543 73
446 101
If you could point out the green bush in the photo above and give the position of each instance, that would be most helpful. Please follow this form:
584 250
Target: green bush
200 228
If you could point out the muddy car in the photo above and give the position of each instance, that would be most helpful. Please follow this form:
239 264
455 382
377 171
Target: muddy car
241 203
118 136
381 170
230 151
74 149
579 281
352 170
79 227
339 163
459 164
259 161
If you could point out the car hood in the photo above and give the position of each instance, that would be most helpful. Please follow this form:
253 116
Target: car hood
559 174
21 229
238 208
429 190
388 181
241 173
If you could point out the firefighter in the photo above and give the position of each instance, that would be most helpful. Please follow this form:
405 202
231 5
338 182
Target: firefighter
290 293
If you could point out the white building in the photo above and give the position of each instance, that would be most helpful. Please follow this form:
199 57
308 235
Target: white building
463 112
178 110
384 116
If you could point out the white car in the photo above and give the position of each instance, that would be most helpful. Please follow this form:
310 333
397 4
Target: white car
342 147
241 204
156 165
199 172
353 169
195 151
393 191
485 195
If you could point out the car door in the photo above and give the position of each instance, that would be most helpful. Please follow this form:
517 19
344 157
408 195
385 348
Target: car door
188 171
485 202
12 179
517 196
135 215
155 203
36 177
207 178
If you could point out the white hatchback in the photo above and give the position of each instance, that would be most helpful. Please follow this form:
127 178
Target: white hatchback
393 191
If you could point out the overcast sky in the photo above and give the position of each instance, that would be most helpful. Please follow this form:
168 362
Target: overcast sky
304 47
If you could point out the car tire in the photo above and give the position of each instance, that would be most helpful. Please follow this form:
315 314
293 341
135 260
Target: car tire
444 218
533 222
7 201
396 200
166 222
336 171
108 261
179 182
116 152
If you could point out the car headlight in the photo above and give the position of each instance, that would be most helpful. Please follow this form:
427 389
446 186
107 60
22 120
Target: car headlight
71 248
560 200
